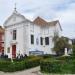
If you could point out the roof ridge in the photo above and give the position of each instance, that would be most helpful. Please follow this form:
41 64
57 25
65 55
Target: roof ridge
54 21
40 21
40 18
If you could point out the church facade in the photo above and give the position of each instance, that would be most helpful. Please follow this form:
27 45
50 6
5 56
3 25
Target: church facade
23 36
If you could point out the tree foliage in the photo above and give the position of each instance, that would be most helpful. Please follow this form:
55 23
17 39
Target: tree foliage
73 48
60 44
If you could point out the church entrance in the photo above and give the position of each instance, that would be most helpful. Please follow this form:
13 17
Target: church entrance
13 51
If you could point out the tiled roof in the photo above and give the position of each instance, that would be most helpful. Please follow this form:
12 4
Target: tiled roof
53 22
40 21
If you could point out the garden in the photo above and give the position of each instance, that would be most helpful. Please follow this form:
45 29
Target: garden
6 65
61 64
57 64
48 64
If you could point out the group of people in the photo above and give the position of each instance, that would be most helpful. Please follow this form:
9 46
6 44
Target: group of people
2 55
20 56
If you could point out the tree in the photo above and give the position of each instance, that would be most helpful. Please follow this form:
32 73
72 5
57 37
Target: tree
73 48
60 44
56 37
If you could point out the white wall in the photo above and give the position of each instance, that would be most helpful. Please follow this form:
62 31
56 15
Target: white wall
24 30
41 31
19 39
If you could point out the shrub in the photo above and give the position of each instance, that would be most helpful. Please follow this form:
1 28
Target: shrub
4 65
47 56
73 48
8 66
52 66
65 58
58 66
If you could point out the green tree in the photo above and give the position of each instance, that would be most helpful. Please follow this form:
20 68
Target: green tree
60 44
73 48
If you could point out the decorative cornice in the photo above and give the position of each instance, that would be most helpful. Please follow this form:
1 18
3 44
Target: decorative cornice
14 14
16 24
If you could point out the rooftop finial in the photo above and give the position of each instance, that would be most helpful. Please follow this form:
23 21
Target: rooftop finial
15 7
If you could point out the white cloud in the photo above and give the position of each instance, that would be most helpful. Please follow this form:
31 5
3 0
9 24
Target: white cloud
48 9
67 19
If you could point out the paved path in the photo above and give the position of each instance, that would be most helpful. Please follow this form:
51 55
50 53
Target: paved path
32 71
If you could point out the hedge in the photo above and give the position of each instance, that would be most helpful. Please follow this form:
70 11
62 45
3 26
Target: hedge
50 66
8 66
58 66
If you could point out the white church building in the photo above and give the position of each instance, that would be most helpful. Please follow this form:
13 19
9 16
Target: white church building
23 36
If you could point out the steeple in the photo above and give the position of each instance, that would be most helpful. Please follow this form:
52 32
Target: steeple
15 9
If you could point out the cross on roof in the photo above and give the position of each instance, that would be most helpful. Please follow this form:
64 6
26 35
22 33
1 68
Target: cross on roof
15 7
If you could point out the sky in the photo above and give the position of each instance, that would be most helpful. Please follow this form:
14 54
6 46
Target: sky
62 10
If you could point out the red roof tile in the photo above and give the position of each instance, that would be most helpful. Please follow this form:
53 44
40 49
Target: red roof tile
40 21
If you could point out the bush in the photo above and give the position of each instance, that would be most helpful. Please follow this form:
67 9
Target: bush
8 66
52 66
47 56
4 65
73 53
65 58
58 66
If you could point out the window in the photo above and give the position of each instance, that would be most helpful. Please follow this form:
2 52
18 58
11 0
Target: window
8 50
37 41
47 41
32 39
14 34
41 40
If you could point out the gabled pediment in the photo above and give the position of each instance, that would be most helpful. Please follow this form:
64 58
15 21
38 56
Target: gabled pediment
14 18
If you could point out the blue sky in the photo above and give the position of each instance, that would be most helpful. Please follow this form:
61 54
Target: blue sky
62 10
